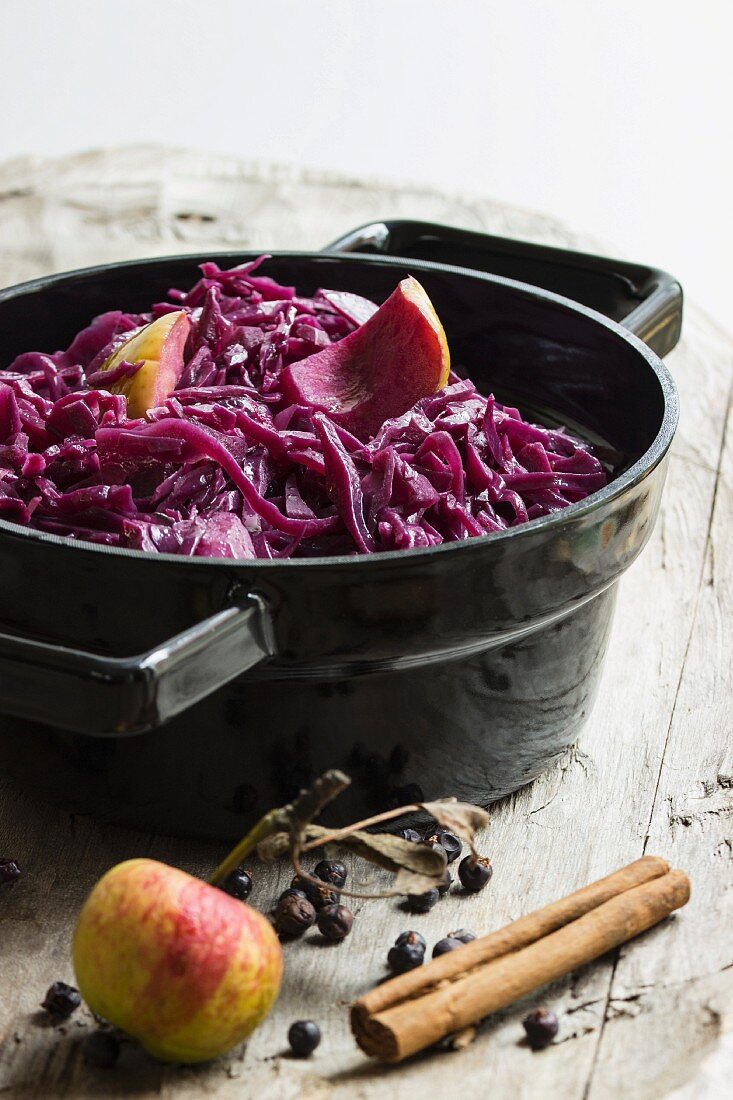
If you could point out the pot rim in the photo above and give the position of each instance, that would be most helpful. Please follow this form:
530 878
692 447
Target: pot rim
559 520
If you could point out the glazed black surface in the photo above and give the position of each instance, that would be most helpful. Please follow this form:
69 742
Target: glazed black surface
478 728
644 299
465 668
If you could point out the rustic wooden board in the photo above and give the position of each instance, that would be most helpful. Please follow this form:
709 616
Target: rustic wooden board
652 771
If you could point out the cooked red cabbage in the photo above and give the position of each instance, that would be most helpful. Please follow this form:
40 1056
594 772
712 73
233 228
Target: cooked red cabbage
225 468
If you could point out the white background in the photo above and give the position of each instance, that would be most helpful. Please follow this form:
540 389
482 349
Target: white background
614 116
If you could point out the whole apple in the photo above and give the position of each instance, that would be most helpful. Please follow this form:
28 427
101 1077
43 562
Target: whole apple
183 967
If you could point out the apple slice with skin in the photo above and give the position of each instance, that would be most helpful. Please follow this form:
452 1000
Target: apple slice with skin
159 346
379 370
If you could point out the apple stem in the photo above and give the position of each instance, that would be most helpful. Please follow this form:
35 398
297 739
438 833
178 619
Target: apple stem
266 826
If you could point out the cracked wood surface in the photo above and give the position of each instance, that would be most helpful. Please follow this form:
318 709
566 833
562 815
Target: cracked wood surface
651 772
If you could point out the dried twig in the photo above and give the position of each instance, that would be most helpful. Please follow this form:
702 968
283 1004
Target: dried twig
290 830
292 818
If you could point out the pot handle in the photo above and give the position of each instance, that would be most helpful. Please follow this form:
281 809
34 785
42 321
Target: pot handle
112 696
644 300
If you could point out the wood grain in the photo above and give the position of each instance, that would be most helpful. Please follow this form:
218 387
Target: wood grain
652 771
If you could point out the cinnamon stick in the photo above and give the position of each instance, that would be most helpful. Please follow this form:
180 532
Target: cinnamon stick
513 936
391 1026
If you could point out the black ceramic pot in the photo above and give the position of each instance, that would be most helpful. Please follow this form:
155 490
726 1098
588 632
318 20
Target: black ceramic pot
466 668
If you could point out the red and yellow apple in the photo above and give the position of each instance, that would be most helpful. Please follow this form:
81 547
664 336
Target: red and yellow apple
183 967
379 370
159 347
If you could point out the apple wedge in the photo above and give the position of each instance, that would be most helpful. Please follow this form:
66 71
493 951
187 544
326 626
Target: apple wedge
159 347
378 371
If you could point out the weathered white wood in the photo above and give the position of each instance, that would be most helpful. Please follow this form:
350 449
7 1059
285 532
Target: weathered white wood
679 988
649 759
143 201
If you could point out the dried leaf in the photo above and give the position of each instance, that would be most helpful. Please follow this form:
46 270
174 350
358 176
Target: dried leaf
461 818
408 882
417 866
278 844
273 847
394 853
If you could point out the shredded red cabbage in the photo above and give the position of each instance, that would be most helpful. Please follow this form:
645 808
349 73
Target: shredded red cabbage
227 469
